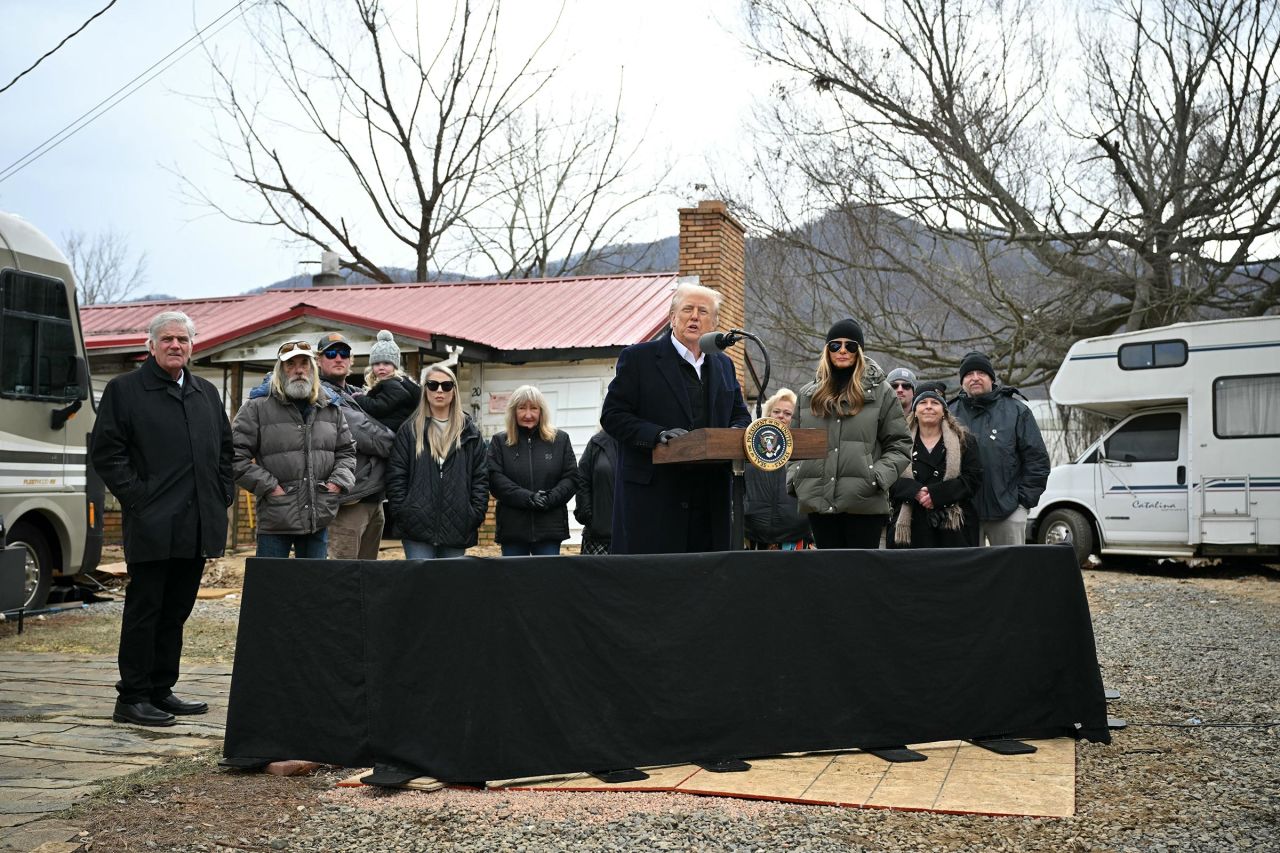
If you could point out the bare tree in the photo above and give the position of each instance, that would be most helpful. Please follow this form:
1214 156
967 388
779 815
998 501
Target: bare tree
102 266
566 199
961 178
418 123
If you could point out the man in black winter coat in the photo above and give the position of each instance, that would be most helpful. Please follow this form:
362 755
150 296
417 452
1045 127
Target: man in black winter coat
162 445
1015 463
663 389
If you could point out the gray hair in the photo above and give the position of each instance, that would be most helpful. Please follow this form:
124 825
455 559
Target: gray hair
688 288
165 318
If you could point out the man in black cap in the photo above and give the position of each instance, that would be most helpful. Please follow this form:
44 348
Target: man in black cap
357 530
1015 464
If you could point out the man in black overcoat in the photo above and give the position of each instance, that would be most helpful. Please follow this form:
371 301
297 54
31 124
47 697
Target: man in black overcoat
661 390
162 445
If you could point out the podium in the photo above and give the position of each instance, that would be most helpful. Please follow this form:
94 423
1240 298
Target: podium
726 445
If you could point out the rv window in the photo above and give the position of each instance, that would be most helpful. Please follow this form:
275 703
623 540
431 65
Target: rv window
1246 406
1146 438
37 344
1146 356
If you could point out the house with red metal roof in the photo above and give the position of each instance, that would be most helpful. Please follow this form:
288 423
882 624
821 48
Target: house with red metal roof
561 334
502 334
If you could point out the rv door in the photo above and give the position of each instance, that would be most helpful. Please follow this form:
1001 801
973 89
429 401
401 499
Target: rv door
1142 482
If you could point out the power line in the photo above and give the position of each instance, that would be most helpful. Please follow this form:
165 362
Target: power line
111 101
55 48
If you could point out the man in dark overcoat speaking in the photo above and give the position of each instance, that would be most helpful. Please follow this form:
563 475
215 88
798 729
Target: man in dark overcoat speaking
162 445
662 389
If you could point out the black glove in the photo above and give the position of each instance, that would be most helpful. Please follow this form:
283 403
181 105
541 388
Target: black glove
668 434
540 500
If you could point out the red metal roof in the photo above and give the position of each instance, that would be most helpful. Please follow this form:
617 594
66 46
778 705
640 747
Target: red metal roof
531 314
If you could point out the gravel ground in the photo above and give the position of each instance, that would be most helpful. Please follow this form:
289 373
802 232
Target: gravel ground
1194 657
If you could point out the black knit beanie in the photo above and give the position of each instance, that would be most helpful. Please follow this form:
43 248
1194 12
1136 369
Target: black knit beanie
850 329
976 361
928 394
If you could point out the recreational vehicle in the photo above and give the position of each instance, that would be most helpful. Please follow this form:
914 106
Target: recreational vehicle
50 502
1192 468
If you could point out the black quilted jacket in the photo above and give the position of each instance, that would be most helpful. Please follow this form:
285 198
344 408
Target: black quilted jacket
442 505
517 472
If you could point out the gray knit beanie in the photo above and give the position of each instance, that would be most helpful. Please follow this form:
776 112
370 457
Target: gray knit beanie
385 350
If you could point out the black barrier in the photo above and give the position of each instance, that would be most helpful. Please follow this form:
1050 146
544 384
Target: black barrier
473 669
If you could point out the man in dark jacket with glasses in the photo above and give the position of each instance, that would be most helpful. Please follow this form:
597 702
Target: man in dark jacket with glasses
356 532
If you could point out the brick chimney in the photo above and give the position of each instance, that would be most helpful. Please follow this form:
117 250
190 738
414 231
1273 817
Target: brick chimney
713 248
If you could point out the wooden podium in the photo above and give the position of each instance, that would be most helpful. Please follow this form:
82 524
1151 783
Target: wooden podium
726 445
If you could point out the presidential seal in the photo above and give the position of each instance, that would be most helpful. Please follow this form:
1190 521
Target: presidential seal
768 443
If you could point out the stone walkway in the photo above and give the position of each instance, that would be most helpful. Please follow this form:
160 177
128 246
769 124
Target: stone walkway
58 743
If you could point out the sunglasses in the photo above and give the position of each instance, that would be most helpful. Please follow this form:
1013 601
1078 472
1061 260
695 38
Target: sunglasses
336 352
900 385
434 385
303 345
836 346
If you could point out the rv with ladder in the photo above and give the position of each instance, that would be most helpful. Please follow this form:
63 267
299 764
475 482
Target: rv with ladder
1192 467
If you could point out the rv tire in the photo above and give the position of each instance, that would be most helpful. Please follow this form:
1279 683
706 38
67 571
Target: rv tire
39 559
1067 527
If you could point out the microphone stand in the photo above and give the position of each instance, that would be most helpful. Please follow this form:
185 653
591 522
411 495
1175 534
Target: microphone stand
762 384
737 530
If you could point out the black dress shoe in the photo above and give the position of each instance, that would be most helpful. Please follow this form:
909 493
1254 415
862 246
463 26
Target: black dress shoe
141 714
174 705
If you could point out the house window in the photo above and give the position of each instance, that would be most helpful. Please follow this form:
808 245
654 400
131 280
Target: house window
1146 356
37 343
1146 438
1246 406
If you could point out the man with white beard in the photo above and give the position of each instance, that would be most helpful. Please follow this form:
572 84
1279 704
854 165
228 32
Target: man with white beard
294 452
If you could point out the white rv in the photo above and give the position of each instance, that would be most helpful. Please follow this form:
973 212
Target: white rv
50 497
1192 468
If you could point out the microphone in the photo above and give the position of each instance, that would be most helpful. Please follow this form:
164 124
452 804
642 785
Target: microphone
718 340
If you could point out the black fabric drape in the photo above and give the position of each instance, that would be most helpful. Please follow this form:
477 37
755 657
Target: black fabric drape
475 669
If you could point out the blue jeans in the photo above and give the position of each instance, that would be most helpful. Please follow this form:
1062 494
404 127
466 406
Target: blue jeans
415 550
311 546
545 548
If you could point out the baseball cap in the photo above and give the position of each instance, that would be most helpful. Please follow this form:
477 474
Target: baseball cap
332 339
289 349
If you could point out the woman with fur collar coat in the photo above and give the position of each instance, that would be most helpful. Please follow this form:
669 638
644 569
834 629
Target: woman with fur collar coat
933 500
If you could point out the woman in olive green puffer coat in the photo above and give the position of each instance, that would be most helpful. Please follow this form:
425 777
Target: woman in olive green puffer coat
846 492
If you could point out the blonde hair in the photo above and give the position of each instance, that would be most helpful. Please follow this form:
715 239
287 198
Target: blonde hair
522 395
279 380
688 288
441 442
778 396
828 398
371 379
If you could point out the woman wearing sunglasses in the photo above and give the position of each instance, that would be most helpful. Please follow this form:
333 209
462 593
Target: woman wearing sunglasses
846 493
437 476
534 474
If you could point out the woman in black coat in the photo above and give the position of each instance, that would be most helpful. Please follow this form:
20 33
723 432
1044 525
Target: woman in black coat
594 506
534 475
437 476
773 518
933 499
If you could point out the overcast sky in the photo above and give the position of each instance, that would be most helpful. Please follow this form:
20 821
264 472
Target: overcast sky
686 78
